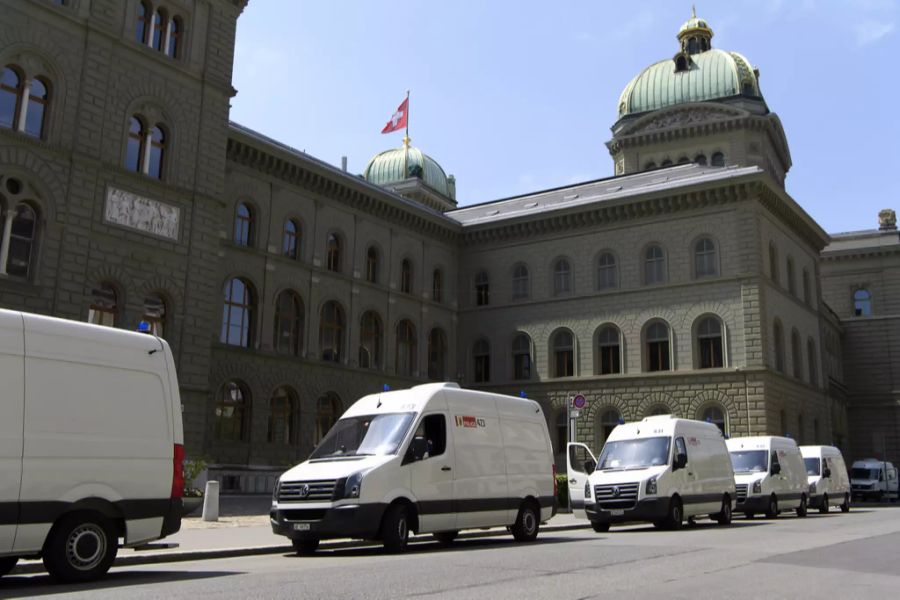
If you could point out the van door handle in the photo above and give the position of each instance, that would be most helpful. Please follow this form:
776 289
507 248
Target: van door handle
445 468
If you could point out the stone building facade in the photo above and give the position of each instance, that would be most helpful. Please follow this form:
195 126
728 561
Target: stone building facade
689 283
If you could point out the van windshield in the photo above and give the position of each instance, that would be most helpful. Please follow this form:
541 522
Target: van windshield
750 461
860 473
367 435
812 465
634 454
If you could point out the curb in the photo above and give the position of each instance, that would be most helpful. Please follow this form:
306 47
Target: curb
191 555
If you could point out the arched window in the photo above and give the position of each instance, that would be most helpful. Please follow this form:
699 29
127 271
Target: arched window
406 349
372 264
807 291
158 31
22 238
231 412
657 353
718 160
134 148
281 416
649 165
328 411
562 277
38 100
288 323
156 160
521 351
520 282
681 64
143 23
331 332
290 243
437 355
706 261
812 361
773 262
104 308
700 159
155 314
563 354
607 272
244 225
238 314
406 276
609 420
174 37
796 354
609 350
710 350
333 253
792 284
481 353
562 431
654 265
778 344
482 289
370 341
862 303
715 415
437 286
11 88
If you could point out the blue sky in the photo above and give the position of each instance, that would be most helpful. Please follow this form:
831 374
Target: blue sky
517 96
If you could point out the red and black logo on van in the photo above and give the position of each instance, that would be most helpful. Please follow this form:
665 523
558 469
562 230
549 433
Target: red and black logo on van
466 421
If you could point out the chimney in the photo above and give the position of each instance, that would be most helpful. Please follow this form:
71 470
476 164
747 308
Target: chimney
343 163
887 220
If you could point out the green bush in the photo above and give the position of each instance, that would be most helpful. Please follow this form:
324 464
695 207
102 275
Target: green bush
562 491
192 468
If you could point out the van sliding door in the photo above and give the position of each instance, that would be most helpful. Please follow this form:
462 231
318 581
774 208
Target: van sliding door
12 374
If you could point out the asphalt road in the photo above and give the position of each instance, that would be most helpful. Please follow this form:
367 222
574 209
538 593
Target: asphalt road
856 555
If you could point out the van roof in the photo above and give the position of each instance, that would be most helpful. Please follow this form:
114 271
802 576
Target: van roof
759 442
416 398
666 425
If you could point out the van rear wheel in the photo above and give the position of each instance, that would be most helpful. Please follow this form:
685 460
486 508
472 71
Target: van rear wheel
306 546
527 524
81 547
845 507
7 563
395 529
825 506
445 537
772 508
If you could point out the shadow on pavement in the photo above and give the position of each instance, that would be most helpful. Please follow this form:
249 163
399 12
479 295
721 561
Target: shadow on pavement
24 586
432 547
701 526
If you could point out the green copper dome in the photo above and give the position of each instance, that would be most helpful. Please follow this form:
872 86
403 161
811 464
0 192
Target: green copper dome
388 167
697 73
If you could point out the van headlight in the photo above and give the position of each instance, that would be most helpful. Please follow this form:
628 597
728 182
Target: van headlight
757 486
352 486
587 490
651 486
812 488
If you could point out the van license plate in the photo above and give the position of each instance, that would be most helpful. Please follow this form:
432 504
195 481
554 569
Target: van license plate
617 512
301 526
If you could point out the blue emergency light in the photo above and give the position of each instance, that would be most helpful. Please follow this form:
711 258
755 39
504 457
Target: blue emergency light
144 327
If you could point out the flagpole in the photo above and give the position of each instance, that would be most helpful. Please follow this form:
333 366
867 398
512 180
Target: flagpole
406 141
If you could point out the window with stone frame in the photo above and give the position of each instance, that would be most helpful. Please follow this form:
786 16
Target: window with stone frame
232 408
654 265
155 314
290 242
562 277
657 347
807 289
563 347
24 101
481 354
104 309
482 289
146 147
792 282
812 362
521 354
19 228
331 332
716 415
333 253
773 262
796 355
862 303
244 225
407 349
159 28
238 314
710 346
706 259
371 340
437 355
718 159
328 411
607 271
778 345
281 416
372 261
609 350
288 323
437 286
520 282
406 276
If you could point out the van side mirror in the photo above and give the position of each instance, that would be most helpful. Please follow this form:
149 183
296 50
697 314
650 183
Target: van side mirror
589 466
417 449
776 468
680 462
826 472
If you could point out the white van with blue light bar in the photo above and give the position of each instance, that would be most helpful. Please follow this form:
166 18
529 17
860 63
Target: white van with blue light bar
431 459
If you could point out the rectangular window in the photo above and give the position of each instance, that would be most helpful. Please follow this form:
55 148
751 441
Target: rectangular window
609 360
565 363
658 356
522 366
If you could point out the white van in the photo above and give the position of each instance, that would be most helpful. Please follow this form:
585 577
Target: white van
873 479
770 475
90 443
434 458
661 469
829 482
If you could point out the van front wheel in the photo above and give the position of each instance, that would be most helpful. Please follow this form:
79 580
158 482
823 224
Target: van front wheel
527 524
772 509
7 563
395 529
81 547
599 526
306 547
675 518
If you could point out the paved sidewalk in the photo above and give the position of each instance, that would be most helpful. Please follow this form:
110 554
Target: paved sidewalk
252 535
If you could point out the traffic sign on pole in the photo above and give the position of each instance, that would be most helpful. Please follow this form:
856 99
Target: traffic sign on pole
579 401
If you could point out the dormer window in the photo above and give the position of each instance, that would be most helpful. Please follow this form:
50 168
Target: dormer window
682 63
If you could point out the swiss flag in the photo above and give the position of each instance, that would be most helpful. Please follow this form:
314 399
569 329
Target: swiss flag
398 119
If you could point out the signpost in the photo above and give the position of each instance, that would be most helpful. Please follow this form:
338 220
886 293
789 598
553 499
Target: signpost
574 406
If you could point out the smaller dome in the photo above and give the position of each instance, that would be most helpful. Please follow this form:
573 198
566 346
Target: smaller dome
388 167
693 25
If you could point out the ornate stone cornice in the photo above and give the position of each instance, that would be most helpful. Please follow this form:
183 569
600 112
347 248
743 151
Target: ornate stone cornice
789 212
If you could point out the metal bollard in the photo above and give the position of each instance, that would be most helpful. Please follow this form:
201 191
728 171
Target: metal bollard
211 501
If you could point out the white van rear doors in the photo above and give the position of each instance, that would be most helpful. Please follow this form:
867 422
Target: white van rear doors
580 463
12 403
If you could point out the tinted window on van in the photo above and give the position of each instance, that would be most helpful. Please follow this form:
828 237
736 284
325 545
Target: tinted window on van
749 461
433 429
812 466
